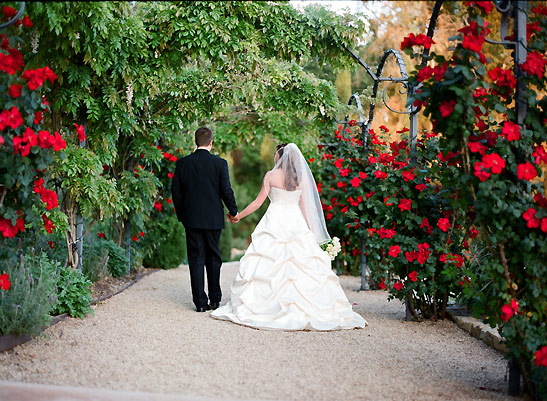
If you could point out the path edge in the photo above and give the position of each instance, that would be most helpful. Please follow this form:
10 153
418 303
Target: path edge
10 341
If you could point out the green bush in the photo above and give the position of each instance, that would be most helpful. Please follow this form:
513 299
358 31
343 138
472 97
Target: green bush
225 243
95 261
25 307
73 293
164 246
117 260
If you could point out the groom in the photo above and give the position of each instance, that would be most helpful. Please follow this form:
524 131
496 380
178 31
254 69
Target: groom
200 184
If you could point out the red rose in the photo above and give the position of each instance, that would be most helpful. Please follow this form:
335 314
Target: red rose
372 160
49 198
481 171
503 78
37 117
411 256
420 187
9 11
369 195
141 233
540 356
4 282
534 64
530 217
408 175
475 147
526 171
544 224
420 40
447 107
473 232
413 276
510 131
355 182
10 118
506 312
157 205
425 73
494 162
80 131
344 172
380 175
48 225
30 137
134 238
15 90
57 142
329 216
382 285
362 175
443 224
473 42
540 10
486 6
101 235
27 22
170 175
405 204
338 163
341 184
398 286
394 251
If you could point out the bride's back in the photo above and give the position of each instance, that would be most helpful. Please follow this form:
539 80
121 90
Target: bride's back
277 179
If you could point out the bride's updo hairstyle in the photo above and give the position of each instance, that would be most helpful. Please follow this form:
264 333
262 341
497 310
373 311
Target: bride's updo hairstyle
291 177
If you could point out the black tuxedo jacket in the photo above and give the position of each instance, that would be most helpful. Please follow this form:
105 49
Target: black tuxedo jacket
200 184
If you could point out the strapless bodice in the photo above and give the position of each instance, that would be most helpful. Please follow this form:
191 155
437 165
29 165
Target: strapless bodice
278 195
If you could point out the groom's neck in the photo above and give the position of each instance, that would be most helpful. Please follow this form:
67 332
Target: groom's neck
205 147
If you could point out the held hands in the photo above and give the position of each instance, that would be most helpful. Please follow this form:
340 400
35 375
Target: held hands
233 219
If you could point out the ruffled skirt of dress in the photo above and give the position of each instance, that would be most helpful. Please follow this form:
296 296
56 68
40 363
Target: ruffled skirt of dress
285 281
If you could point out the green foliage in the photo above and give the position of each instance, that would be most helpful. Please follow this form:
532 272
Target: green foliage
225 243
73 294
95 260
117 259
413 238
25 307
510 289
164 245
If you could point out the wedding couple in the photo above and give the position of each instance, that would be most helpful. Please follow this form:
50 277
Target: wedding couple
285 280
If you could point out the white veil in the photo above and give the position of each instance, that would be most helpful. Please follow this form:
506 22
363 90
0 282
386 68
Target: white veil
297 175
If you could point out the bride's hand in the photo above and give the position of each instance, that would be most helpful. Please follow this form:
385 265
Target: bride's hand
234 219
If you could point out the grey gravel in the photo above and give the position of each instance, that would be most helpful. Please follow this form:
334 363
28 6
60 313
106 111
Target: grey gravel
150 339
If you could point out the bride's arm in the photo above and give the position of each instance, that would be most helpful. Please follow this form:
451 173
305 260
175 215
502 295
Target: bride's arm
261 197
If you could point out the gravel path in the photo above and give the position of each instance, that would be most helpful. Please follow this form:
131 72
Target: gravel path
149 339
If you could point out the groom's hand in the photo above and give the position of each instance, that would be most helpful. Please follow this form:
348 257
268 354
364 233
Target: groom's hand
233 219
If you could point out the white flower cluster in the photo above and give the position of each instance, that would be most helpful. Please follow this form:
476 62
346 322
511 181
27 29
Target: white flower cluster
332 248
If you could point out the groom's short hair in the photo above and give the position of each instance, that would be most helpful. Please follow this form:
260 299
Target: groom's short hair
204 136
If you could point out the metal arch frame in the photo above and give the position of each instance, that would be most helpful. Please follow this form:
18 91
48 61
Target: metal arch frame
410 109
15 18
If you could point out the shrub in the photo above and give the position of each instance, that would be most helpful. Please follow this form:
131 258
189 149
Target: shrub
165 243
117 259
73 294
25 307
381 195
95 261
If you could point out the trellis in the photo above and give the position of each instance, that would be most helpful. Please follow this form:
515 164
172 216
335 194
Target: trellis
507 9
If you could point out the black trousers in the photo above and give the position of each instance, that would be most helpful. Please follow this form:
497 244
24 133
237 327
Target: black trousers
202 248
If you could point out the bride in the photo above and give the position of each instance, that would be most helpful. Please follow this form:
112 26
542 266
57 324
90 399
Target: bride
285 280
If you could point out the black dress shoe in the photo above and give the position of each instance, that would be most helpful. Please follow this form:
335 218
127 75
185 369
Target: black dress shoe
203 308
214 305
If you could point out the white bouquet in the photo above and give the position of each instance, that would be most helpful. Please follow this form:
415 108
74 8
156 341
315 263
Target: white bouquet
332 247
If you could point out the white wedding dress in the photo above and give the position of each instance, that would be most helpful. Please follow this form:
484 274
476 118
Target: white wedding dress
285 280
